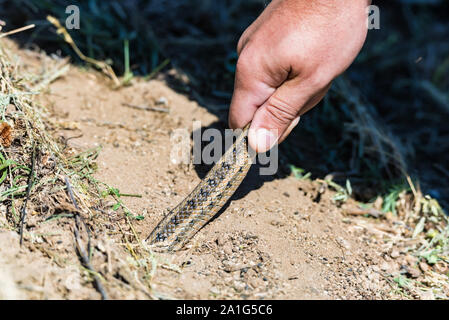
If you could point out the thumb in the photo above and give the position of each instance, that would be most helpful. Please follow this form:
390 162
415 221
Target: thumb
279 114
252 87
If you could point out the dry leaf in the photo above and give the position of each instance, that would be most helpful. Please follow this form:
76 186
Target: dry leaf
5 134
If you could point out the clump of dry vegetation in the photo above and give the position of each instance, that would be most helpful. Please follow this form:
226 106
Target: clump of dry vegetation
37 175
413 231
42 180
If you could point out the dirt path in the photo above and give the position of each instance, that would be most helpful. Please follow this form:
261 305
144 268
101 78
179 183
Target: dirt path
273 241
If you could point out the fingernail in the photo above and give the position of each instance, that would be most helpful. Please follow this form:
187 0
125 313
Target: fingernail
265 140
294 123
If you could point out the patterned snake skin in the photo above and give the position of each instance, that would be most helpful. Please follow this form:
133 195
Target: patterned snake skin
209 196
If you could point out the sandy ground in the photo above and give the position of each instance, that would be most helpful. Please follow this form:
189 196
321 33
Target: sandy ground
276 239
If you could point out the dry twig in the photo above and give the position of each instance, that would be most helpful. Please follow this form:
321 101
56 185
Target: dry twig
85 259
27 196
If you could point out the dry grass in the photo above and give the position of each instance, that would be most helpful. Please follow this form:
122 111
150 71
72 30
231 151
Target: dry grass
62 184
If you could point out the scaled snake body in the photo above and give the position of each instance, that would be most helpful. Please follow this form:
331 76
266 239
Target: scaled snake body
209 196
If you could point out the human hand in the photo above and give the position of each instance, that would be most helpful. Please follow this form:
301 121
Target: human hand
287 60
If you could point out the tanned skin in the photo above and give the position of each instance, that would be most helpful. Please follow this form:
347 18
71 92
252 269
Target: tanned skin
288 58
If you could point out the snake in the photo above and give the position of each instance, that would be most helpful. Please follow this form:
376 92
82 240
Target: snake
175 230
